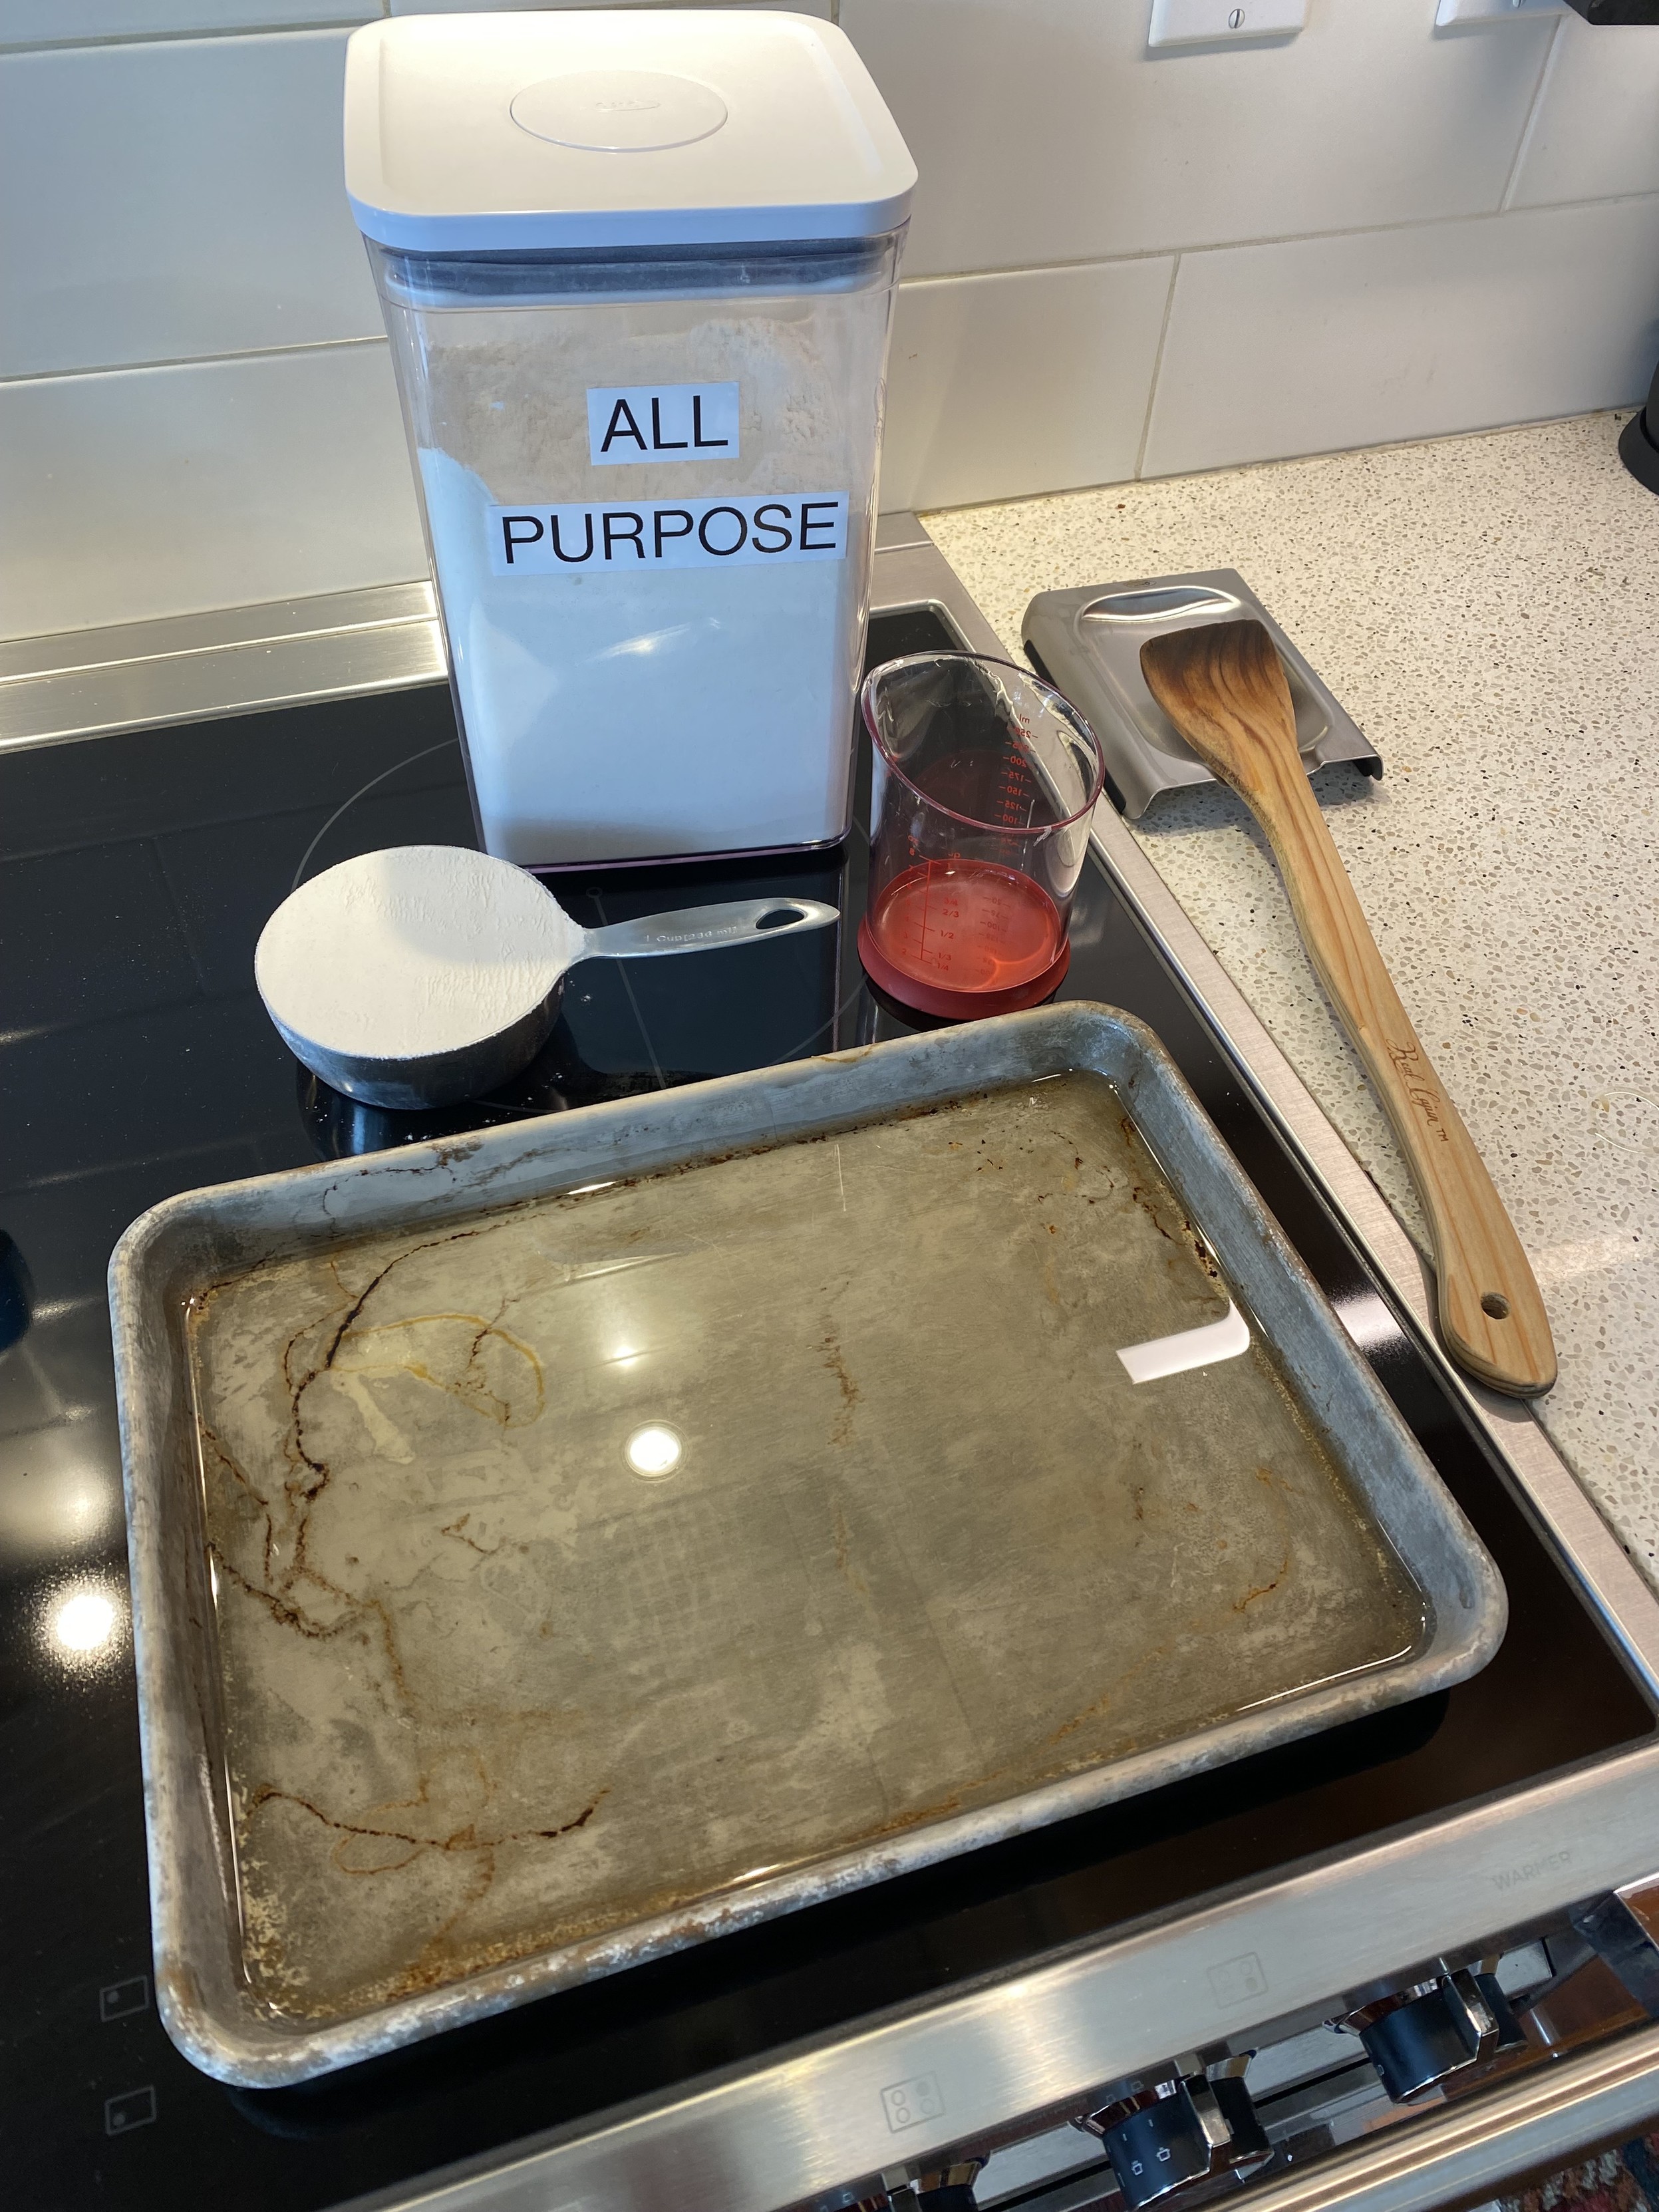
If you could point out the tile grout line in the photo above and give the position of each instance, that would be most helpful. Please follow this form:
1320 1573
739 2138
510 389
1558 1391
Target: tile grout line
189 36
1279 238
1534 111
190 360
914 283
1287 460
371 11
1157 368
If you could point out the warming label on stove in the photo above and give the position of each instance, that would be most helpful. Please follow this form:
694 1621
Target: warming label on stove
690 533
1529 1869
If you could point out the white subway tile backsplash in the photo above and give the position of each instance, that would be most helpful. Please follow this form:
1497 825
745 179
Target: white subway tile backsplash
1300 240
820 8
160 201
63 23
997 384
162 491
1460 15
1320 343
1596 131
1048 132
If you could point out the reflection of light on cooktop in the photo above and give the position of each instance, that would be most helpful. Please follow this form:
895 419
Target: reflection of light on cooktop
84 1622
654 1451
55 1500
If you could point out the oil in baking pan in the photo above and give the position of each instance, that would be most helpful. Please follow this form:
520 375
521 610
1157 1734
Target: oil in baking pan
577 1564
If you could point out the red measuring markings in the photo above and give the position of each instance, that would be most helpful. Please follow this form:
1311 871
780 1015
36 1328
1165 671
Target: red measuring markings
1014 805
968 925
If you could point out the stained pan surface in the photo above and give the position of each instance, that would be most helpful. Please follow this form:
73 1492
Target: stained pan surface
560 1545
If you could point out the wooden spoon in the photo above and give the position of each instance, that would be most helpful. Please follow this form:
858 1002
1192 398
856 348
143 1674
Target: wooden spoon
1223 686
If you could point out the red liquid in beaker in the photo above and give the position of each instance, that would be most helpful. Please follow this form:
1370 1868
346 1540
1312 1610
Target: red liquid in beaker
967 926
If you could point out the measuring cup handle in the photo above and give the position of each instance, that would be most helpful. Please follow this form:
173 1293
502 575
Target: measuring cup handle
701 928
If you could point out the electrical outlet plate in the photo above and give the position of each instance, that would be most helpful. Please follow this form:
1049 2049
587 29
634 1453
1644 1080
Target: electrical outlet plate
1493 11
1218 22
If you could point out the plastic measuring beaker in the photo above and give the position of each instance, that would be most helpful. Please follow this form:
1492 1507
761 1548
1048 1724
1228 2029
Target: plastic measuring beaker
983 783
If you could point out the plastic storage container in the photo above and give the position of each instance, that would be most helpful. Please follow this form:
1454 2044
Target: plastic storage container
637 268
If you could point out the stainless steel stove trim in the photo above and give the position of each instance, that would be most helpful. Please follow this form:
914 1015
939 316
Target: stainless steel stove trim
1472 2150
815 2122
234 660
237 660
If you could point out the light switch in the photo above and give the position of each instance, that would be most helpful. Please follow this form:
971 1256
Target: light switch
1210 23
1493 11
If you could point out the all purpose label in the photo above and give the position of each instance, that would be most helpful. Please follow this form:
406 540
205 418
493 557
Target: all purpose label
662 422
689 533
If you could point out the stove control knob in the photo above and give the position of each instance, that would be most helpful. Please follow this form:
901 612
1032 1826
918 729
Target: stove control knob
1183 2130
1422 2036
943 2189
1623 1927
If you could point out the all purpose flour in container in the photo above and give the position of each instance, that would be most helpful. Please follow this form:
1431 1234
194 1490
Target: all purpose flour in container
637 268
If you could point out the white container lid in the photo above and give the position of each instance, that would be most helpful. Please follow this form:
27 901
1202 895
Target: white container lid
665 127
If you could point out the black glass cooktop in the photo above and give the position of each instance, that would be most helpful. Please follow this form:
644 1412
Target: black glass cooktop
135 1060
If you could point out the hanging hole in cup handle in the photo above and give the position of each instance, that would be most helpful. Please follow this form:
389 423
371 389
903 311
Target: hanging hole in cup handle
1495 1306
781 917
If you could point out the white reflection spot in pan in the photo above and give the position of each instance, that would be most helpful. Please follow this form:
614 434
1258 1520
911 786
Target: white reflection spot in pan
1193 1347
654 1451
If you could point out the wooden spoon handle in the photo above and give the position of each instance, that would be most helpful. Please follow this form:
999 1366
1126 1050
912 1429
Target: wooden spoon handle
1490 1311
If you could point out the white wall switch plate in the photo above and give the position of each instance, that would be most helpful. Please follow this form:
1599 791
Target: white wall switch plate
1208 22
1493 11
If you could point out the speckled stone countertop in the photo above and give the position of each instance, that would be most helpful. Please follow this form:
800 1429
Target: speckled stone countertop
1487 609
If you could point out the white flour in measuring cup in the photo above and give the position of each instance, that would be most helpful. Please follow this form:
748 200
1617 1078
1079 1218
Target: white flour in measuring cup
636 709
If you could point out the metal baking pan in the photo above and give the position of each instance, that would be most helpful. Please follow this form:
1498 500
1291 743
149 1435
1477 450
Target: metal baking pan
561 1545
1088 644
